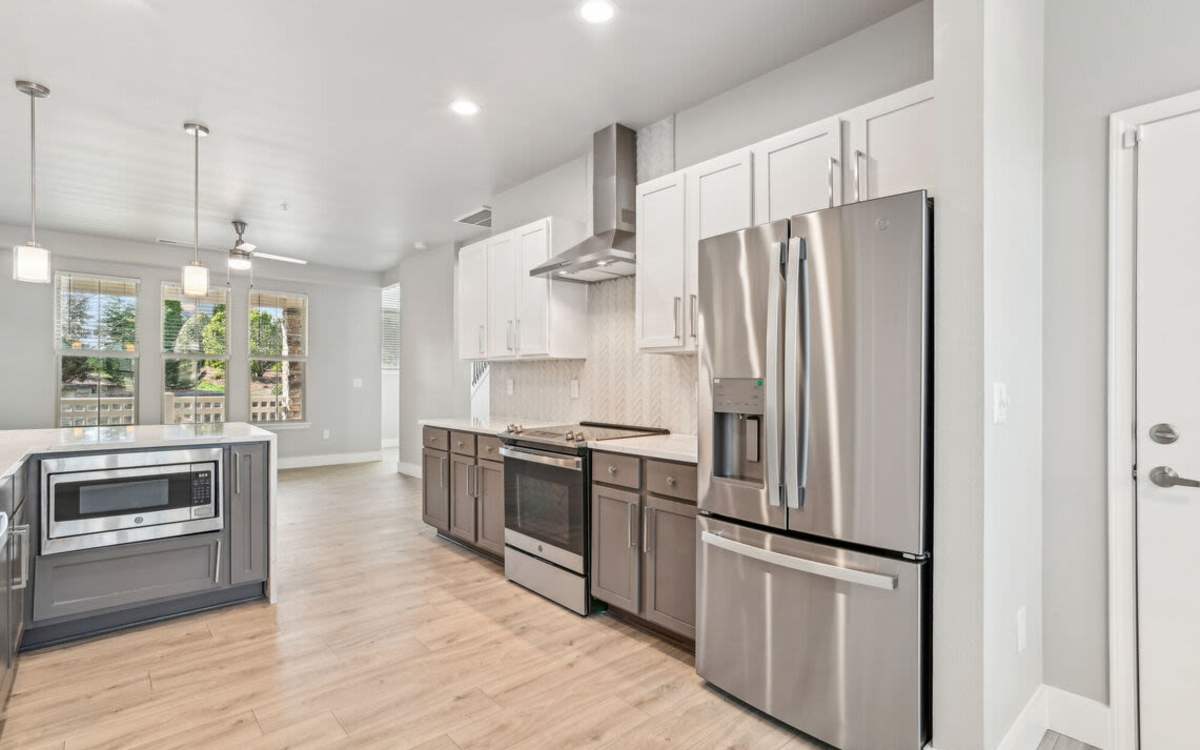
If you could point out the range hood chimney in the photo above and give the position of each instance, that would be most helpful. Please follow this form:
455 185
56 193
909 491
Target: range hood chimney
609 253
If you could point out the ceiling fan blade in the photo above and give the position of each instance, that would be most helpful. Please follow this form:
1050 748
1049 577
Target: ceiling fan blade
284 258
177 243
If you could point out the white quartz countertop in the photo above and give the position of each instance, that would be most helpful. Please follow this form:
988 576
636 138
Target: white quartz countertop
17 445
483 427
672 447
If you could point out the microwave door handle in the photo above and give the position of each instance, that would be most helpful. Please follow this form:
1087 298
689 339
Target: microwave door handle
794 371
776 490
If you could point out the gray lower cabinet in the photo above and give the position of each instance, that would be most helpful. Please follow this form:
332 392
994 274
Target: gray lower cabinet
462 498
490 525
669 571
616 558
246 511
90 581
435 488
8 650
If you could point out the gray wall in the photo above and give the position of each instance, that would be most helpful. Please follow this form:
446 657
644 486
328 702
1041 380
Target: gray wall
343 338
433 381
881 59
1102 56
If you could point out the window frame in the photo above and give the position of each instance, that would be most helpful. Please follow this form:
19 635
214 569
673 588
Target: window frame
251 358
189 356
59 351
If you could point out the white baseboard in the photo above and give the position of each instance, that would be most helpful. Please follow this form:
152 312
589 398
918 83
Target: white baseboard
1030 726
390 443
330 459
411 470
1076 716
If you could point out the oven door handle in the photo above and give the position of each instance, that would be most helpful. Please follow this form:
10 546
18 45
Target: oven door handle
572 463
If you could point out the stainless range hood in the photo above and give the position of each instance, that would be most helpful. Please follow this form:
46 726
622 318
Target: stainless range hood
609 253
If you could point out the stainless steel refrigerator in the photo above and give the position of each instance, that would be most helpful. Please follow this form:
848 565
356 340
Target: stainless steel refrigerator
814 538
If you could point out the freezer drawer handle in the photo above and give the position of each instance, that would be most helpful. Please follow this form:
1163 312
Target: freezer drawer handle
849 575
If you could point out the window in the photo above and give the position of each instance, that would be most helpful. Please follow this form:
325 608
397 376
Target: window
95 335
195 357
278 356
391 327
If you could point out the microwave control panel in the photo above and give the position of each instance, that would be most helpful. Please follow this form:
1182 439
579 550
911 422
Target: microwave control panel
202 487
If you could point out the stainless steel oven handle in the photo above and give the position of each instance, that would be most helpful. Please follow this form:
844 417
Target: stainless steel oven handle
573 463
801 564
22 531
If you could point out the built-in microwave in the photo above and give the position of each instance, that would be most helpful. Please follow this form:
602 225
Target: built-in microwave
115 498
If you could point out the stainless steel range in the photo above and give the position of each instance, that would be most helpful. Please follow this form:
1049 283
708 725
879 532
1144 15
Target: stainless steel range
546 506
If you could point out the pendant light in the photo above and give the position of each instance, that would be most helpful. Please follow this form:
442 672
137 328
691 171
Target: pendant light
31 261
195 274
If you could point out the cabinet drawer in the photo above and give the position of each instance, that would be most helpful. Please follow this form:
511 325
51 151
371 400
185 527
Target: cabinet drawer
462 443
489 448
671 480
436 438
611 468
91 581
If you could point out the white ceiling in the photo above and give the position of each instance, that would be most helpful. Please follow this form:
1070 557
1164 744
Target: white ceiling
339 109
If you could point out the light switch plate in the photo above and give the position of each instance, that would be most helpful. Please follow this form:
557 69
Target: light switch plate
574 387
325 434
999 403
357 382
508 386
1022 630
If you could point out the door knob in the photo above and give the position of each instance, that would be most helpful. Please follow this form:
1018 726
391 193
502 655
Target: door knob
1165 476
1163 434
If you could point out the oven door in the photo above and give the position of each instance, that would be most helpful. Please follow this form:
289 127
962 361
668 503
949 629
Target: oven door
116 504
544 505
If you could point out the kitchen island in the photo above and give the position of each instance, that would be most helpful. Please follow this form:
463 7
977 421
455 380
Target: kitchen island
109 527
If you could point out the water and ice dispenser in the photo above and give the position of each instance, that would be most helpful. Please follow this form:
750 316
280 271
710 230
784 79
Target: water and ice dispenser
738 432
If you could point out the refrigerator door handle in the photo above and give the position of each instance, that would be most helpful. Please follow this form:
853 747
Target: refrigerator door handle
795 376
803 565
776 489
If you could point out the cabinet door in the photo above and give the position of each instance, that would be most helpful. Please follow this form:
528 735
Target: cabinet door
531 332
8 654
502 265
615 554
798 172
892 147
20 557
246 514
435 489
471 301
462 498
661 240
719 200
490 525
669 547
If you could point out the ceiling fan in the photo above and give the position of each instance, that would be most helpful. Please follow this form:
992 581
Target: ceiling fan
241 253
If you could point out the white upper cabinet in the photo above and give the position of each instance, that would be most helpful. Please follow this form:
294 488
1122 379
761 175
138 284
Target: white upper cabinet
798 172
504 313
892 145
471 301
661 240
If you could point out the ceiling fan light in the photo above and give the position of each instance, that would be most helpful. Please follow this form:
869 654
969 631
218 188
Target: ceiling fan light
195 279
239 261
31 264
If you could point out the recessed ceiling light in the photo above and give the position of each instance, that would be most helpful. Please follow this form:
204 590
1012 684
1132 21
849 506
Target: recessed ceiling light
597 11
464 107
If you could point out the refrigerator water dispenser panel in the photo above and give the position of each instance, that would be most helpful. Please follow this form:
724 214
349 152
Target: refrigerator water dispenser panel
738 395
738 406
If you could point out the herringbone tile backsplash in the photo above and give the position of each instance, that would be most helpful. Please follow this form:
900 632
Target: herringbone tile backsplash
616 382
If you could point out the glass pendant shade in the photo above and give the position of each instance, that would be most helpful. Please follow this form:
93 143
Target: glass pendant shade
239 262
195 279
31 263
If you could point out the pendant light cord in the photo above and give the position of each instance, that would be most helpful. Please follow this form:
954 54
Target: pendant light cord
196 200
33 170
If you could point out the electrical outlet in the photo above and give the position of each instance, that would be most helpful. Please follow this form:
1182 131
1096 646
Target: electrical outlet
574 387
325 434
508 386
1022 630
999 403
357 382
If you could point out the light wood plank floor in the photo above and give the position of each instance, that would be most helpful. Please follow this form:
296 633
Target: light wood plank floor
384 637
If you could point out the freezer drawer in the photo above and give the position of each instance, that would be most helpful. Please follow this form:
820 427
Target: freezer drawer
825 639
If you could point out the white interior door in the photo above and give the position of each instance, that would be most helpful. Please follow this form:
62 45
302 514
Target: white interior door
1168 401
502 296
798 171
533 292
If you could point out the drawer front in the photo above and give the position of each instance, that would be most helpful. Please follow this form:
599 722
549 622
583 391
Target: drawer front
489 448
91 581
436 438
612 468
463 443
671 480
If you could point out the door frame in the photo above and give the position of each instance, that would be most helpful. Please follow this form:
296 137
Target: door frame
1124 131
